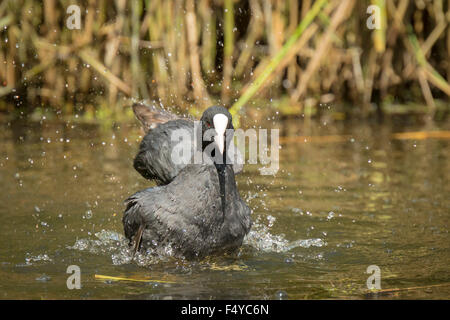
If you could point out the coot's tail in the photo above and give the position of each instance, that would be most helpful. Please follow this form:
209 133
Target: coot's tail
151 115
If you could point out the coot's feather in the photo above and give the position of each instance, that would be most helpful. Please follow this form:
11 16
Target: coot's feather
187 214
154 159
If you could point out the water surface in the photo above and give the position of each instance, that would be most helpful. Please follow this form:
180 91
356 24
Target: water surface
352 196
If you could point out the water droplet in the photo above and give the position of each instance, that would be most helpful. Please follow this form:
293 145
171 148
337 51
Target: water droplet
281 295
43 278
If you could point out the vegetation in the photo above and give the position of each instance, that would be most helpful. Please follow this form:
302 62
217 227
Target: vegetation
291 56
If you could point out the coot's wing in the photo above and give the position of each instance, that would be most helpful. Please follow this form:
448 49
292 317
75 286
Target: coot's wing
156 156
154 159
182 213
187 214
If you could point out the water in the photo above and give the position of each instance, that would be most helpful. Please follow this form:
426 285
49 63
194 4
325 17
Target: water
354 197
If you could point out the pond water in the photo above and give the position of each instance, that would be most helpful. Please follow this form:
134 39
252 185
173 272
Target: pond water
346 196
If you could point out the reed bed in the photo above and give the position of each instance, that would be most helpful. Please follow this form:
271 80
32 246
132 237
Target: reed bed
291 56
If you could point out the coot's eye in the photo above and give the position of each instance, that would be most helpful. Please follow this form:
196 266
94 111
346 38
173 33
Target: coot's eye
208 125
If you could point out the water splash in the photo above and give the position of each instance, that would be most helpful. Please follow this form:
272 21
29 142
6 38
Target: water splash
30 259
117 246
107 242
263 240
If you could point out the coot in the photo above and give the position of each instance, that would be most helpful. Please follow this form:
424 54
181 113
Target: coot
198 210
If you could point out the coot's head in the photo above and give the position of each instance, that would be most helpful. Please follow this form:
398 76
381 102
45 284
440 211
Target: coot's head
219 119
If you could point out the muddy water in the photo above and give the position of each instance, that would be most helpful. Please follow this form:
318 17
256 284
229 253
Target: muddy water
346 198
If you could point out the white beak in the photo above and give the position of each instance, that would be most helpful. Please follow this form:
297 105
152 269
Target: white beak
220 122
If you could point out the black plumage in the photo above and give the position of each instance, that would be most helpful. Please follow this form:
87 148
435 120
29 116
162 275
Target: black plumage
197 211
154 158
187 214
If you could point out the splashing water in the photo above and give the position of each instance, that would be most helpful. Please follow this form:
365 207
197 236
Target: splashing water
29 259
263 240
259 238
116 245
107 242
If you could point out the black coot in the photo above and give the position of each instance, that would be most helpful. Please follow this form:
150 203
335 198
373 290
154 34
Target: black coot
199 211
154 159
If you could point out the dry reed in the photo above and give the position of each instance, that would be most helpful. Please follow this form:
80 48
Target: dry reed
190 54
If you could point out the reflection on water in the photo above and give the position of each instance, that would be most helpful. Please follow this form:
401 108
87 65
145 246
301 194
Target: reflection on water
350 197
